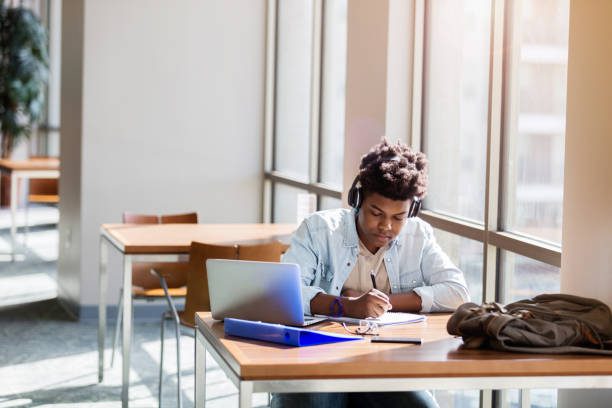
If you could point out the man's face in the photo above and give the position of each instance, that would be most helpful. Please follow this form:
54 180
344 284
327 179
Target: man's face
380 220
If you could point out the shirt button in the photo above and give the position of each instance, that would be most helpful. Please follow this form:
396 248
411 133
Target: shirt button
388 259
413 281
348 264
336 288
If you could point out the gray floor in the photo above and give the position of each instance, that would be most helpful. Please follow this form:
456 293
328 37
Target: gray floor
47 360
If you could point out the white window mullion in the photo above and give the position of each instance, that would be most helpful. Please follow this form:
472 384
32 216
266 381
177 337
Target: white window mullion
416 135
491 212
269 108
315 88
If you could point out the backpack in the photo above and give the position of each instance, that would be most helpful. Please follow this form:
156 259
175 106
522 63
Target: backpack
549 323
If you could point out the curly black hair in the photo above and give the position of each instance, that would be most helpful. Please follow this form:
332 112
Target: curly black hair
394 171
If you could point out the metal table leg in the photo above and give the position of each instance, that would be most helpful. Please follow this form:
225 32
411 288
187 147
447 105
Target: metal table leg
102 288
245 394
126 342
14 179
200 371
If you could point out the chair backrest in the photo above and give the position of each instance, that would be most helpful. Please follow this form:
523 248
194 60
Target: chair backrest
131 218
43 190
270 252
175 273
187 218
198 299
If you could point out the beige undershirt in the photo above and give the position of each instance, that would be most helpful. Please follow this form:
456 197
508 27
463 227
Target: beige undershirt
359 278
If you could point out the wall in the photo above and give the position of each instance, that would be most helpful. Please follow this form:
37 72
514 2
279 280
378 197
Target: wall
69 262
172 121
366 81
399 71
587 203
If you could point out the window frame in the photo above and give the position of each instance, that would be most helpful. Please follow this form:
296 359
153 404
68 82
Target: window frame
272 176
491 234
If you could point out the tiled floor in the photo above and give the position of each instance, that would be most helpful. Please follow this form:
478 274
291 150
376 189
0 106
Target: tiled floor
31 276
47 360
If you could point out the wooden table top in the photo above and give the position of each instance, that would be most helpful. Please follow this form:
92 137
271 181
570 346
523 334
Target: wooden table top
46 163
438 356
176 238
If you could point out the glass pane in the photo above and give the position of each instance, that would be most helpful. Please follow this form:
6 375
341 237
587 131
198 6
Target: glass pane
293 82
455 105
539 398
535 118
524 277
333 91
467 255
286 203
458 399
328 203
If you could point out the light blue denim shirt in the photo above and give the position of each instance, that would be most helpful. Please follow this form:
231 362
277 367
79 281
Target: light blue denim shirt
326 245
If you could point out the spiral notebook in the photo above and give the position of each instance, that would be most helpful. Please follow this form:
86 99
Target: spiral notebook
388 318
281 334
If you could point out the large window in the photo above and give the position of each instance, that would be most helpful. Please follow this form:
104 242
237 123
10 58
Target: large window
493 114
535 118
455 108
305 105
492 124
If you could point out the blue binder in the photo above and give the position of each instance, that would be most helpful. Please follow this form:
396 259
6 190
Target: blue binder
281 334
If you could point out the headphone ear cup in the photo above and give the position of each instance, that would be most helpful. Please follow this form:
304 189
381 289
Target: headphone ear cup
354 197
350 198
354 194
415 206
357 197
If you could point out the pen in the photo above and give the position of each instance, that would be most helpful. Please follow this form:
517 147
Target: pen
410 340
373 280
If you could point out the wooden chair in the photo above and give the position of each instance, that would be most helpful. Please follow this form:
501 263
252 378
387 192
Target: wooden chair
41 191
198 299
146 285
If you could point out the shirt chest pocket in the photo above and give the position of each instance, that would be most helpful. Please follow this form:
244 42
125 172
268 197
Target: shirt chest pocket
324 272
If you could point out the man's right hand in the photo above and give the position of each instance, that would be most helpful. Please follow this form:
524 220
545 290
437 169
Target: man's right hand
371 304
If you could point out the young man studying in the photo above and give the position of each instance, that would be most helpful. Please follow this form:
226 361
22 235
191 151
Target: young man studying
376 256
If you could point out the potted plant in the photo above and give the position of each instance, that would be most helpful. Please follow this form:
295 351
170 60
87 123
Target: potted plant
24 65
23 74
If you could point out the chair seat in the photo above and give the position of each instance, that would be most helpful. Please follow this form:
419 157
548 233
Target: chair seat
43 198
158 292
185 320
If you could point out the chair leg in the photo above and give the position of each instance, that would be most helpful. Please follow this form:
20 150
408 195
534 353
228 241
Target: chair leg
174 314
161 360
26 226
177 327
117 325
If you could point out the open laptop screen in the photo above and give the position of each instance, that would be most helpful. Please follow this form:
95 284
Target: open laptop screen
251 290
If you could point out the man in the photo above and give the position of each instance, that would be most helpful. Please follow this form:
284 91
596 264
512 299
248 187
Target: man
343 252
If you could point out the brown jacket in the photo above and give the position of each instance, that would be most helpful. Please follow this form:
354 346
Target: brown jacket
551 323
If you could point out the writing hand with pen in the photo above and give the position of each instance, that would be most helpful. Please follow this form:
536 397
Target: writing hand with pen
373 303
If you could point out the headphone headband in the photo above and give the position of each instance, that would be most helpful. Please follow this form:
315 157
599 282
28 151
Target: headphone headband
355 198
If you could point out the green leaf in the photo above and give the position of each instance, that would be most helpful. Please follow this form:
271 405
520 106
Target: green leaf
24 64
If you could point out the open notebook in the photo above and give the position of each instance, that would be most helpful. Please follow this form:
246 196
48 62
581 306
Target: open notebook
384 320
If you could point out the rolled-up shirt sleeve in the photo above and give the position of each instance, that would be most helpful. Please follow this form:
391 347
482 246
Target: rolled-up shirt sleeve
302 252
445 287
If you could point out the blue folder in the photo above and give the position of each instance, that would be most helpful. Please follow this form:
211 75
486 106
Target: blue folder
281 334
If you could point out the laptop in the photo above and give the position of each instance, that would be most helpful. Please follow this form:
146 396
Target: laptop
262 291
